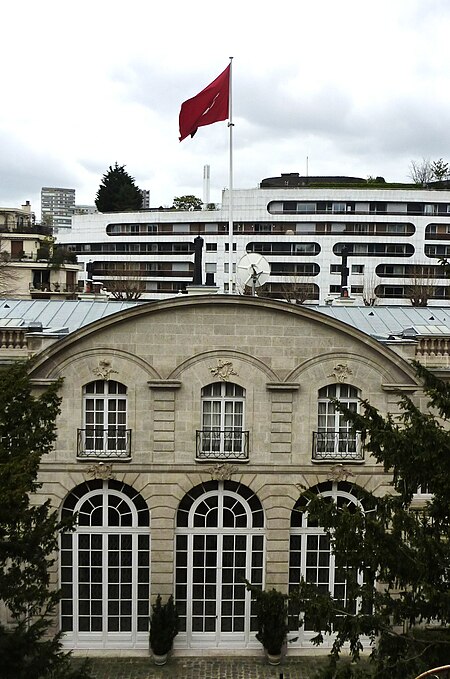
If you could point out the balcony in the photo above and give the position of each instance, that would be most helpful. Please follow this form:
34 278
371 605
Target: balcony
216 444
108 443
337 446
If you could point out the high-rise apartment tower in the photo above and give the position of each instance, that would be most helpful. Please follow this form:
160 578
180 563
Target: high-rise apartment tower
57 206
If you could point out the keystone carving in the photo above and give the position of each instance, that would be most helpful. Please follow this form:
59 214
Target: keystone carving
224 370
339 473
104 370
100 470
340 372
222 471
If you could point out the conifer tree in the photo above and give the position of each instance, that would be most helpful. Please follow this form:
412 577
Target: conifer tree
118 191
396 553
29 530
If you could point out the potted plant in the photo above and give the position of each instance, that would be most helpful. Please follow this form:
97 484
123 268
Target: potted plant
272 618
163 629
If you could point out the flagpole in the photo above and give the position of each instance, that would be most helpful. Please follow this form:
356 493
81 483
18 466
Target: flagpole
230 184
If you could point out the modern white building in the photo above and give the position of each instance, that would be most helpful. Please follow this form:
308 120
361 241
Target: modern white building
394 234
57 206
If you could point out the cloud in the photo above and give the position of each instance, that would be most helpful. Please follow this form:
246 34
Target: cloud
23 172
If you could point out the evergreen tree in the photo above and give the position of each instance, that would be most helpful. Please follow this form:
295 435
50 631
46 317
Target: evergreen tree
118 191
440 170
395 554
188 202
29 531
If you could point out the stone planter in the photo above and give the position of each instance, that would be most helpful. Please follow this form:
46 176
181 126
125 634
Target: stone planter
273 659
160 659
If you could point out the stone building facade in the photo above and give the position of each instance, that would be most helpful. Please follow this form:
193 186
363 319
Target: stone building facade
188 432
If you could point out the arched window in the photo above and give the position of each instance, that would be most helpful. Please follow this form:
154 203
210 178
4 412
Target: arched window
334 438
311 557
105 567
222 435
104 432
219 543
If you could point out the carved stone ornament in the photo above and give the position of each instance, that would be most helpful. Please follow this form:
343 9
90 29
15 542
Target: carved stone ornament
340 372
339 473
100 470
104 370
222 471
224 370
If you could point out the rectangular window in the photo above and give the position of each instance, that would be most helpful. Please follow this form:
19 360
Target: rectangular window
262 228
335 268
357 268
337 227
226 267
210 267
335 288
396 207
211 247
357 289
306 207
211 228
227 247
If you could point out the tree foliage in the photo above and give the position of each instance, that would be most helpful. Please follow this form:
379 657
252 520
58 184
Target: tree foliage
118 191
189 202
28 532
424 171
395 554
440 170
127 289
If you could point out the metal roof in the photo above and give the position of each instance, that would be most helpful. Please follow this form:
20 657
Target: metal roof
381 322
59 315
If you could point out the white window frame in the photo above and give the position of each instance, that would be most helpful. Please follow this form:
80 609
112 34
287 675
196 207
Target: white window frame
223 420
105 414
335 439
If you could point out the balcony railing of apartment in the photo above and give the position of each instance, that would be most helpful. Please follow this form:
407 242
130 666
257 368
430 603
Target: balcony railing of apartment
333 445
109 442
219 444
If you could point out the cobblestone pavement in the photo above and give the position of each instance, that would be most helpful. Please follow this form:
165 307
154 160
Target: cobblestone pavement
203 668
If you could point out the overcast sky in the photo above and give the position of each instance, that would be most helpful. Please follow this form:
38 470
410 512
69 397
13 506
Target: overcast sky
357 87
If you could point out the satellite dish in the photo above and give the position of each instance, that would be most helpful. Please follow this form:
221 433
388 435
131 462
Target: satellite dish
253 270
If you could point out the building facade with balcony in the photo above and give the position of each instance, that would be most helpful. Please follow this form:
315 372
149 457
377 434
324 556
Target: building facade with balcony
394 234
189 431
26 265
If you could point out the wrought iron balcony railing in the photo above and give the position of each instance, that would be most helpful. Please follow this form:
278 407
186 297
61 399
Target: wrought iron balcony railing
337 445
220 444
105 442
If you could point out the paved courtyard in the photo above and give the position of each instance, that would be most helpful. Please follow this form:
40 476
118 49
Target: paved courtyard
204 668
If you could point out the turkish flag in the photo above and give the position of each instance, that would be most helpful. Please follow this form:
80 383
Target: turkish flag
208 106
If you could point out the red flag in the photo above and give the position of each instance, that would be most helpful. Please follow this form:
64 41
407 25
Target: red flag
209 106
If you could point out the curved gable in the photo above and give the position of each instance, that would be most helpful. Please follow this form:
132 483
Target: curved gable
280 336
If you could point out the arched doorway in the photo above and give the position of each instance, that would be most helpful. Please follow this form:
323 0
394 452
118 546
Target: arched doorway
219 543
311 557
105 568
